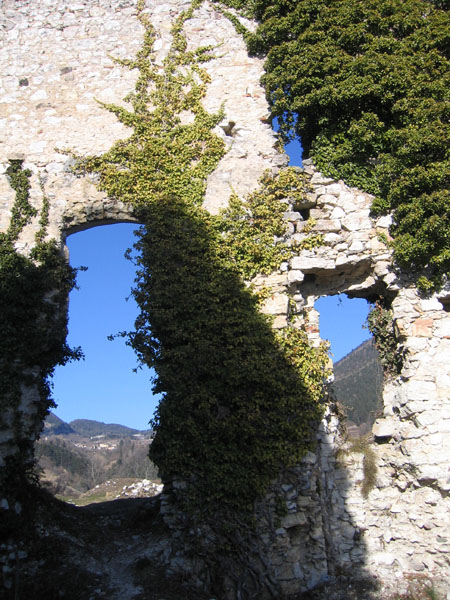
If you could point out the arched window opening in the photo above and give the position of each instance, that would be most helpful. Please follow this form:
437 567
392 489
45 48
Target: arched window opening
99 431
358 375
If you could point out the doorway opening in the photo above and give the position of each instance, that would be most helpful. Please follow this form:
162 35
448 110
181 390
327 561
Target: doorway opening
358 374
98 435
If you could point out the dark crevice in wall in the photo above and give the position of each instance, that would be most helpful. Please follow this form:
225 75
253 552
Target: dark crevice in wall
229 129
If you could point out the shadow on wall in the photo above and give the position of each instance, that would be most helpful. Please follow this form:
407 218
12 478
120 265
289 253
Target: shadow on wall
236 416
249 498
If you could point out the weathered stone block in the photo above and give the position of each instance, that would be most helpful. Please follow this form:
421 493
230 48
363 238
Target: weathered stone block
312 263
442 328
318 178
324 199
423 327
383 429
327 225
295 276
277 304
355 223
294 520
421 390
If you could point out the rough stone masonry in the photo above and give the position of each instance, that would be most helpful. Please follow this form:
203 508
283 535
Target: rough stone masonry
55 60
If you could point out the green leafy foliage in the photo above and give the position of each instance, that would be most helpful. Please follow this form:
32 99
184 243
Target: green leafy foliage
163 156
381 326
22 211
33 319
253 230
365 84
234 408
239 402
243 7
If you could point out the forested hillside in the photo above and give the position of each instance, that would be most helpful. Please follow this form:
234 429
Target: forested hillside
88 427
53 425
358 383
75 457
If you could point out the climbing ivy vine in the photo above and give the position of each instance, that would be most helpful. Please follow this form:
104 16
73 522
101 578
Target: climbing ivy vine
365 85
381 325
33 320
238 402
163 157
253 230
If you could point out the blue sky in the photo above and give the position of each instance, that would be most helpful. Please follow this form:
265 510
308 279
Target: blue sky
103 386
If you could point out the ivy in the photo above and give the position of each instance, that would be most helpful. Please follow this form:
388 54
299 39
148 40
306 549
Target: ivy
33 320
235 408
253 230
44 217
244 7
381 326
365 84
163 157
239 401
22 211
233 18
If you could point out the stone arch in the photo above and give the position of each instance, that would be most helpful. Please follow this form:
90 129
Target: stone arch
96 211
100 307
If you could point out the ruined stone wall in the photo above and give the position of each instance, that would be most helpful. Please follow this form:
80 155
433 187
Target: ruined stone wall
403 525
56 63
55 59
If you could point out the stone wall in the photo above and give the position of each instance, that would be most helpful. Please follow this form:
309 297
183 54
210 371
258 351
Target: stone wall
56 63
403 525
55 58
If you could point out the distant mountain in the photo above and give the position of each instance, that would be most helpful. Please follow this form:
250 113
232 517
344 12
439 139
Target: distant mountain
53 425
88 428
71 466
74 457
358 383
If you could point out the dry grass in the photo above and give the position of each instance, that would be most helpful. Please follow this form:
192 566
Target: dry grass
419 588
104 492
